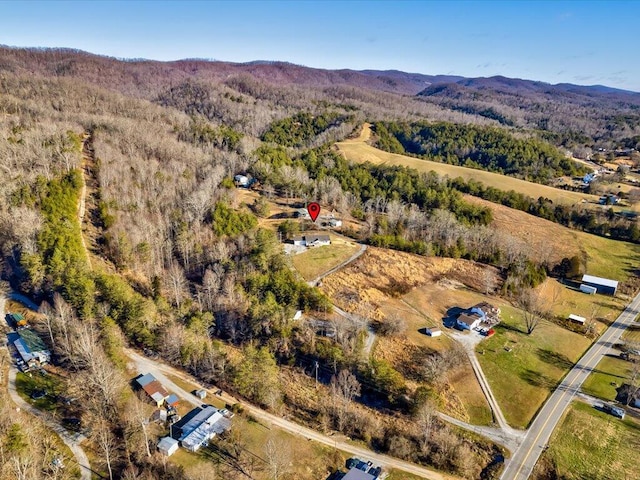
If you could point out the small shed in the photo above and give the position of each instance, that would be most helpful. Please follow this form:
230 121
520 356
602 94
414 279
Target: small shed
168 446
172 400
577 319
602 285
335 222
201 394
298 315
433 331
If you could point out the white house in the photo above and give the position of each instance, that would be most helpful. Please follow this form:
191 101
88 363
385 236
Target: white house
469 321
168 446
335 222
311 240
241 180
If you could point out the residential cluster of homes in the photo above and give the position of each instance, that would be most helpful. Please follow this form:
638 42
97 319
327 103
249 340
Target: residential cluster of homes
192 431
482 314
329 220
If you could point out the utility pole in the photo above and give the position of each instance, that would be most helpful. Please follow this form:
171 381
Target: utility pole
317 365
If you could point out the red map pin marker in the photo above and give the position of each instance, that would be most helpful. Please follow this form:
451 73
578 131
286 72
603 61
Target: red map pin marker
314 210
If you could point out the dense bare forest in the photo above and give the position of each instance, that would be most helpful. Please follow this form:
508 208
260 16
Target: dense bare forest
171 261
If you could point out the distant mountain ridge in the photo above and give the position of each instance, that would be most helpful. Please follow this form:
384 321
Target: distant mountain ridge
54 60
575 116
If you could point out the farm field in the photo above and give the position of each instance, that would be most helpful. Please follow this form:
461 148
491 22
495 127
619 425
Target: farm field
318 260
577 452
359 151
610 373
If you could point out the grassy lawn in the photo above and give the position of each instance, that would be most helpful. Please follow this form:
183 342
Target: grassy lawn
27 383
590 445
610 373
521 379
318 260
359 151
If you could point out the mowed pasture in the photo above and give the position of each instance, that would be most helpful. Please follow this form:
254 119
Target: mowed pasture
358 150
589 444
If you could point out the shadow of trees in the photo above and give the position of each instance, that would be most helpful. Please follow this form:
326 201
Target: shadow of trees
554 358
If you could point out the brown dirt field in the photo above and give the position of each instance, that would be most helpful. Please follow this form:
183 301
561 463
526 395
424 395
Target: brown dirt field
380 275
545 238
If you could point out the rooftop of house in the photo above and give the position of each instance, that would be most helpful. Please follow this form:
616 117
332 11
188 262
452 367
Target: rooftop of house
156 391
469 318
145 379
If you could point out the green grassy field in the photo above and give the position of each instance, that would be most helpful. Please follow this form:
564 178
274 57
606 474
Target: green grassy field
358 150
610 373
591 445
318 260
521 379
27 383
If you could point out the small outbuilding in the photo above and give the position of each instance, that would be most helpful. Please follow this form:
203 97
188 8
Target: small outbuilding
201 394
168 446
577 319
433 331
602 285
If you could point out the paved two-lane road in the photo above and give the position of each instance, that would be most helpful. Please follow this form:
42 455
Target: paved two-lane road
524 459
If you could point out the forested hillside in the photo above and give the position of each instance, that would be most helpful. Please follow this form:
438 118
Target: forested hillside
487 148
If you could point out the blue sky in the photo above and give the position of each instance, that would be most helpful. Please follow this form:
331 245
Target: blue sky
584 42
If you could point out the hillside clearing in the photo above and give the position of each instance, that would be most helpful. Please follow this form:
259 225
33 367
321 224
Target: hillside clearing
359 151
318 260
384 283
552 242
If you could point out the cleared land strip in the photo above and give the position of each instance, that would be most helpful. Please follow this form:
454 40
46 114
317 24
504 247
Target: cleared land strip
520 466
159 370
359 151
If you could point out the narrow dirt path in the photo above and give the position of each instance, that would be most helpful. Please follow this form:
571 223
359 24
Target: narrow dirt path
83 194
70 439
